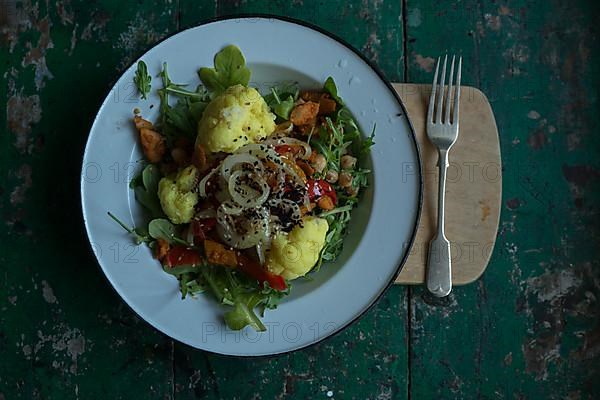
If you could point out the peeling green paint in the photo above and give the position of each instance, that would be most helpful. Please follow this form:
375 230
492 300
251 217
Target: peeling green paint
527 329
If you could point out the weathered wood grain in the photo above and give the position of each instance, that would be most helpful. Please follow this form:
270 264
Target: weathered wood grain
529 327
64 333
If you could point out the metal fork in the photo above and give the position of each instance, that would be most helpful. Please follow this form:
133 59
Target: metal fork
443 133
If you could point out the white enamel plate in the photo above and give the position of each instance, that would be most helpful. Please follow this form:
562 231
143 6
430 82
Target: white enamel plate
381 231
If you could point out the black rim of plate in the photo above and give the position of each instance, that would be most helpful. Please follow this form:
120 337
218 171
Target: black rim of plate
413 137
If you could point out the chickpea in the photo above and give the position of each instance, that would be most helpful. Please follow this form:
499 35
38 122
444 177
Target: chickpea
348 162
319 163
331 176
351 191
345 179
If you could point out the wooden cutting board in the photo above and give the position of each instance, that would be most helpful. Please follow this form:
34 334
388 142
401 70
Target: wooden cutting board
473 188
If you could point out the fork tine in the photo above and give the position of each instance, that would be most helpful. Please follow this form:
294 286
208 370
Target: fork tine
457 92
441 95
432 97
449 93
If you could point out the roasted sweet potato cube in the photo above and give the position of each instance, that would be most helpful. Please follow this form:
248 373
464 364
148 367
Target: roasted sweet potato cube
326 106
311 95
216 253
153 144
325 203
303 114
304 166
142 123
162 248
306 129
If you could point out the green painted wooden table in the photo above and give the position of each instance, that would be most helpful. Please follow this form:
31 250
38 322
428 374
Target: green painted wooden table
529 328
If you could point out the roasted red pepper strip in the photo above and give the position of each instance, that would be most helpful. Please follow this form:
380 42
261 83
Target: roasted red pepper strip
200 227
319 187
254 270
181 255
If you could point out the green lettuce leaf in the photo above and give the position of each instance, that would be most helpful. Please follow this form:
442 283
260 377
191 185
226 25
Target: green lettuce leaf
146 190
230 69
331 88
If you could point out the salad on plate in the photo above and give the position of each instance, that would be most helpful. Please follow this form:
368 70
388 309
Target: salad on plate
244 191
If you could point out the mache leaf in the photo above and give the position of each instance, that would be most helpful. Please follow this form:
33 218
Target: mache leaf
147 192
284 108
331 88
161 228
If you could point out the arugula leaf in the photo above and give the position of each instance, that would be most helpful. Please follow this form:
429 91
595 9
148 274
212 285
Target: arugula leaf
334 239
200 95
333 141
140 236
243 314
360 178
234 289
181 269
196 109
272 297
331 88
363 147
230 69
217 281
190 283
182 118
142 79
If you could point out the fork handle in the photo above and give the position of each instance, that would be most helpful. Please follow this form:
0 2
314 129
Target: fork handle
439 269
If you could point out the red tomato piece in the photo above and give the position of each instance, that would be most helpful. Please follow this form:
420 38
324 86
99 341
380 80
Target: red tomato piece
256 271
200 228
319 187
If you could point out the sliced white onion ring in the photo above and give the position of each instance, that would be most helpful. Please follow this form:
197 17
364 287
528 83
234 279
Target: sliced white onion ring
287 206
243 194
206 213
231 208
234 161
228 229
204 181
292 142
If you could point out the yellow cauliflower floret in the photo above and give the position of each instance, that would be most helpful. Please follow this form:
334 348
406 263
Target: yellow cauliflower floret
237 117
176 196
293 255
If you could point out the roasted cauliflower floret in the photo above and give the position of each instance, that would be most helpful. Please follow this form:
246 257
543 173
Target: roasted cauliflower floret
176 196
237 117
293 255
